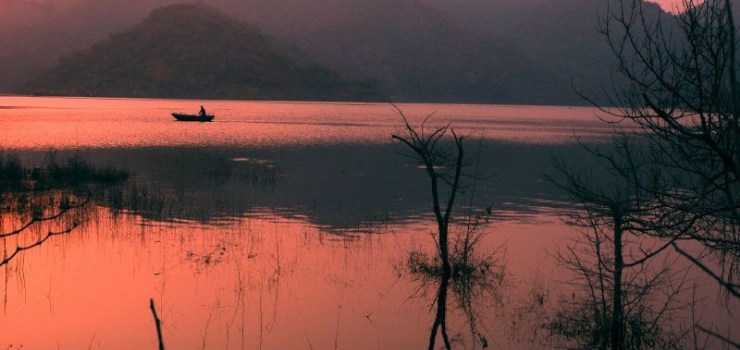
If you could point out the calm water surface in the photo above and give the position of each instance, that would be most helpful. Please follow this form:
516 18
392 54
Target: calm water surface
281 225
73 122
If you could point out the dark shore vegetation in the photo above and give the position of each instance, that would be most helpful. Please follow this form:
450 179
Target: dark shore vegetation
52 197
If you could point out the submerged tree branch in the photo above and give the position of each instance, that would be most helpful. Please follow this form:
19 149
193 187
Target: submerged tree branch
36 219
157 324
40 241
728 287
719 336
48 235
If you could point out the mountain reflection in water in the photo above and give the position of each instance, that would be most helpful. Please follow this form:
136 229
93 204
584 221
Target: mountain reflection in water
335 187
282 226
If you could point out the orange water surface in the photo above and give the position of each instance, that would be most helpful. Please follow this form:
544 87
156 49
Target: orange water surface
284 225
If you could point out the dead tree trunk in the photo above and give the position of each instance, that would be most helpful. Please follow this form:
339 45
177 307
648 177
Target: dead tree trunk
437 163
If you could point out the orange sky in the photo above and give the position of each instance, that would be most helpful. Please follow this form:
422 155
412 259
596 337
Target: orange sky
670 5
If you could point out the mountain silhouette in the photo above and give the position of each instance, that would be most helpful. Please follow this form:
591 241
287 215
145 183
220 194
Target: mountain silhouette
195 51
420 53
507 51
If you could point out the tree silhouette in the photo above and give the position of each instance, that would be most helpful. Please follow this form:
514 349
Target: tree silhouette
681 115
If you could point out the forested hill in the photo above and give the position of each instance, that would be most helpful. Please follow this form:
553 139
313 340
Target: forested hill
195 51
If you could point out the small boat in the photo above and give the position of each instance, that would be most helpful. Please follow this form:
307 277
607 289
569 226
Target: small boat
193 117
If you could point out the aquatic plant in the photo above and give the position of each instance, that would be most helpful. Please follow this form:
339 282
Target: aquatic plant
53 195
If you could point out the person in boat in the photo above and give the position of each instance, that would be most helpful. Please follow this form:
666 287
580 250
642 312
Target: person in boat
202 111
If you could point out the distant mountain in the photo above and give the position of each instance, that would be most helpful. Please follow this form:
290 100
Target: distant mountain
562 35
35 34
194 51
503 51
420 53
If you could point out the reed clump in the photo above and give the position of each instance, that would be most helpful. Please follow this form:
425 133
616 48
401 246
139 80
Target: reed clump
73 172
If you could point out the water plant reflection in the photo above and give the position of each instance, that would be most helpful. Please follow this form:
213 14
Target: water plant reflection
476 282
46 199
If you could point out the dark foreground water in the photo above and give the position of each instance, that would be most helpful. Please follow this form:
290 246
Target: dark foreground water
287 225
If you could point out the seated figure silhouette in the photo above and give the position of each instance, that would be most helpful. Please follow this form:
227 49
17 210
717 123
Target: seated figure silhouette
202 111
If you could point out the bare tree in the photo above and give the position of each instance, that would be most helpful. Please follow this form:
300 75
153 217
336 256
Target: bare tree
464 271
616 265
444 168
429 151
682 104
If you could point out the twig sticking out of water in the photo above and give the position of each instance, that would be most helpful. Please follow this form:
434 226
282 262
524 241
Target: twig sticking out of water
157 323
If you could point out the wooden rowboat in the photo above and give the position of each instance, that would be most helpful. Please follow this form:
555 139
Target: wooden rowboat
193 117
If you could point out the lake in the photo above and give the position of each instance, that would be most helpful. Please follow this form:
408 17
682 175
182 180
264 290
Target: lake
288 225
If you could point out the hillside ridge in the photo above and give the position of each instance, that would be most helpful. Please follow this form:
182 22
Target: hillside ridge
195 51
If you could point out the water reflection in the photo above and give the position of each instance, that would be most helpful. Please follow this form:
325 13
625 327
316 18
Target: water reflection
232 263
475 289
353 188
52 200
476 279
285 226
65 123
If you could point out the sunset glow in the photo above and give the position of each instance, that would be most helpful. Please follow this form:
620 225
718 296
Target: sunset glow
673 6
368 174
281 225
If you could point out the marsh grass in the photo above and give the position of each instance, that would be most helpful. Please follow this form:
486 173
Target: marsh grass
465 269
200 187
71 173
53 199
